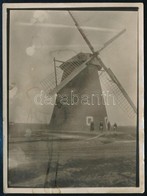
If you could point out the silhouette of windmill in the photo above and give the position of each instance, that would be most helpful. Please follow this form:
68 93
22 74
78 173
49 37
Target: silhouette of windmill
81 75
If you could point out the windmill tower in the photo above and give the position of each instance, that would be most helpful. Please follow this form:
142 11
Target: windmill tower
81 107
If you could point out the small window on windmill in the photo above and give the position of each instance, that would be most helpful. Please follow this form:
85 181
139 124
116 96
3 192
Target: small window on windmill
89 119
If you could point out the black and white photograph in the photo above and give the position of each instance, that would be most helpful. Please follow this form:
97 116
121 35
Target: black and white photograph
73 98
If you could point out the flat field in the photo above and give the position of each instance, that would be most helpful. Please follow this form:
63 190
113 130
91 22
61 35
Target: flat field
39 157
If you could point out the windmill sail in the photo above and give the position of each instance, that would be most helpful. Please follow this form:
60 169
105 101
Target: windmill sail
53 84
124 95
116 81
49 82
69 70
122 102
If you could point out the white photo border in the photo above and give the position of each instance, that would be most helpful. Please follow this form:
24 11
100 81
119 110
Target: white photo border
139 189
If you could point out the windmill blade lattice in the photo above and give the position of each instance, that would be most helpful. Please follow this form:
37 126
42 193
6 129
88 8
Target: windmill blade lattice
71 68
49 83
117 93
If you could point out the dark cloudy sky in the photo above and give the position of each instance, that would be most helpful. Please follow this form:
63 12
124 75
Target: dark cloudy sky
36 37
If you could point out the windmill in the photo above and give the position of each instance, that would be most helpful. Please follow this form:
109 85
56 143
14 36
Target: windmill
82 74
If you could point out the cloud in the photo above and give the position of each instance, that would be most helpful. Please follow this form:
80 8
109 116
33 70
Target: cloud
39 16
30 50
61 26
